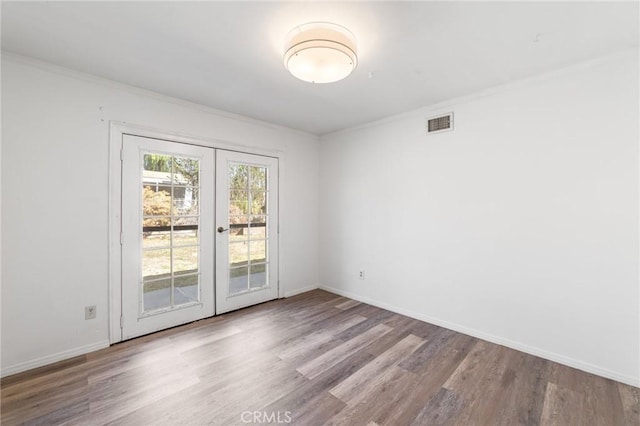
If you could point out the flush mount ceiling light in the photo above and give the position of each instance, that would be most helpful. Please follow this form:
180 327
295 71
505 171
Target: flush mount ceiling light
320 52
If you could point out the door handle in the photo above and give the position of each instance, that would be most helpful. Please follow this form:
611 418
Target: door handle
221 229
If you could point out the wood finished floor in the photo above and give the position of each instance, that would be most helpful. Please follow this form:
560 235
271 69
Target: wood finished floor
314 359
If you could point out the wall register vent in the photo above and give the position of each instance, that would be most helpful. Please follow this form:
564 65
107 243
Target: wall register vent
441 123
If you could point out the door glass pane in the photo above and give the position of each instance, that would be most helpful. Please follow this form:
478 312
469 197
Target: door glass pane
156 239
185 200
156 263
238 176
156 294
170 240
238 202
258 220
187 237
258 202
238 281
258 251
238 232
154 162
185 289
258 177
186 171
258 231
239 220
185 222
238 254
156 201
248 257
258 277
185 260
154 222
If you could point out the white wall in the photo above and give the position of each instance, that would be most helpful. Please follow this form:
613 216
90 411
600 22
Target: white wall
55 143
520 227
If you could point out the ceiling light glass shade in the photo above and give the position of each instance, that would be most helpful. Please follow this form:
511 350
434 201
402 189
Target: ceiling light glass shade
320 52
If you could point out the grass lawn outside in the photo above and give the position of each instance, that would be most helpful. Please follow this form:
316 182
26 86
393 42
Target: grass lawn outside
156 262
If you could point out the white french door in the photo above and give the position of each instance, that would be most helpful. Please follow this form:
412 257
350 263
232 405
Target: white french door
247 229
176 266
167 234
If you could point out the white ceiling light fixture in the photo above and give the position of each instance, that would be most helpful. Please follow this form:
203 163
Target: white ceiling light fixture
320 52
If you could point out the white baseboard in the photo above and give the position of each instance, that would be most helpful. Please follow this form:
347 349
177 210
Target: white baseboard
551 356
296 291
50 359
61 356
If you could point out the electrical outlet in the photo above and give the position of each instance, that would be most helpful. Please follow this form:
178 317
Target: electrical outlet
361 275
89 312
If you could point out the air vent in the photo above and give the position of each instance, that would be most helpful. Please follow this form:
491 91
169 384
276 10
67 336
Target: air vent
442 123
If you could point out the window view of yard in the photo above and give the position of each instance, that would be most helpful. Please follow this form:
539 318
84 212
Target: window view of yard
170 241
248 232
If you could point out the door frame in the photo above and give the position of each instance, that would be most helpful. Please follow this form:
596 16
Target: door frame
117 130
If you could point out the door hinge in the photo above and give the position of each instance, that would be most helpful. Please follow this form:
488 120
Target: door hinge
121 322
121 239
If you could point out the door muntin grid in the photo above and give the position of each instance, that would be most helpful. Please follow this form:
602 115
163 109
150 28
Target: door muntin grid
169 238
248 228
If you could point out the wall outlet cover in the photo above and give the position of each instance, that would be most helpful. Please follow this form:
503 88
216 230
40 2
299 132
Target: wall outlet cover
89 312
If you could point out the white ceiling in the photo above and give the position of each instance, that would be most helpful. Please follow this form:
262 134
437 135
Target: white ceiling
228 55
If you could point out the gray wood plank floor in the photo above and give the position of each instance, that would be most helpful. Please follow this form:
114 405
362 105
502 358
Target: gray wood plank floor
313 359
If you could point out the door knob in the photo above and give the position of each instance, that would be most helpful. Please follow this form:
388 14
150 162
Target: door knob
221 229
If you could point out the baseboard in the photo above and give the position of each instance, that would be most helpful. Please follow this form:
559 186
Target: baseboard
300 290
50 359
532 350
61 356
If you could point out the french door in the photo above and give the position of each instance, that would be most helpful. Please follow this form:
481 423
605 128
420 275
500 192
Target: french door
247 228
176 266
167 246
